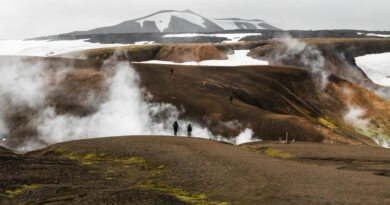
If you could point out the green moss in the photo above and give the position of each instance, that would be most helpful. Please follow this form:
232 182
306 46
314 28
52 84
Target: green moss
277 154
327 123
86 163
192 198
92 158
270 152
131 161
20 190
150 182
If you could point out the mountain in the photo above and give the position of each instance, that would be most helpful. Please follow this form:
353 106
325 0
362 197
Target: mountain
172 21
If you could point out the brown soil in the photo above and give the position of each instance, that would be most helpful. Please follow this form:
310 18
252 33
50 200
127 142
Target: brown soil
170 170
176 53
270 100
186 53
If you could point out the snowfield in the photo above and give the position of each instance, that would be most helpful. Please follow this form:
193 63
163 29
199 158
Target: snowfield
231 24
238 58
162 20
52 48
375 35
47 48
232 37
376 67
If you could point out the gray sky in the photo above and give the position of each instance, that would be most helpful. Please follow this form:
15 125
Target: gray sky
31 18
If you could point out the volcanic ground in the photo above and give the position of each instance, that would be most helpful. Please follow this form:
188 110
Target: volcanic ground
309 91
170 170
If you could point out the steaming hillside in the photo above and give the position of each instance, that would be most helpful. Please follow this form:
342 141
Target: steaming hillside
171 21
312 90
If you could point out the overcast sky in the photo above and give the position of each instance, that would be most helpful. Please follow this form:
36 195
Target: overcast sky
31 18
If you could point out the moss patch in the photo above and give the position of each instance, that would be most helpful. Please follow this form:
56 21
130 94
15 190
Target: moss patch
92 158
20 190
276 153
192 198
152 183
327 123
147 178
270 152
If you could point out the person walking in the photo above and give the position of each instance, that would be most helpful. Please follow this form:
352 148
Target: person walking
189 129
175 128
172 74
231 99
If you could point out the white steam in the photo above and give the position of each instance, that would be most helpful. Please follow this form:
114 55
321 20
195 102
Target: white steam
355 116
125 112
19 84
19 87
244 137
308 56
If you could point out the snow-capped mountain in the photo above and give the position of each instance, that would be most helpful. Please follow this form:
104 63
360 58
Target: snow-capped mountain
171 21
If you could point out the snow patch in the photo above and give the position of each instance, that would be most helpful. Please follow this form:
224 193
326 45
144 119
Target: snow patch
238 58
376 67
374 35
231 24
162 20
144 43
44 48
232 37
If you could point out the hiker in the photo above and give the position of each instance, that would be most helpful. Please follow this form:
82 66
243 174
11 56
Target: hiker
175 128
172 74
204 84
231 98
189 129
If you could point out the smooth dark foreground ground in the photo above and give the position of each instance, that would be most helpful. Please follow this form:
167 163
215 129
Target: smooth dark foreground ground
169 170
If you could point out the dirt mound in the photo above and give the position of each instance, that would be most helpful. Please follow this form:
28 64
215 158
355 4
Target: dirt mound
132 53
176 53
169 170
186 53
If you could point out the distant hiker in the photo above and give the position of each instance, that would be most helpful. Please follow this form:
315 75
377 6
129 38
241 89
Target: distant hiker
204 84
189 129
172 74
175 128
231 99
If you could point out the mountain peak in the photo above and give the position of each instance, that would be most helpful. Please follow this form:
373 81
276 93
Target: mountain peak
174 21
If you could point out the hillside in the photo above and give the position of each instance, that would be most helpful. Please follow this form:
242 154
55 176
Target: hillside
169 170
326 98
